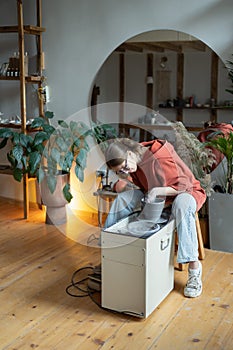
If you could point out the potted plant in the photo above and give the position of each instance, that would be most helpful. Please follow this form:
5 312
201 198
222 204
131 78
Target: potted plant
49 154
221 203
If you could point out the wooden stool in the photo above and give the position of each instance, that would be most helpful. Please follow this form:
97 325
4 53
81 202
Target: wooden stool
201 249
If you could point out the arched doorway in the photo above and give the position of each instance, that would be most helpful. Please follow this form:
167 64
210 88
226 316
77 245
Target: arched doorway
169 71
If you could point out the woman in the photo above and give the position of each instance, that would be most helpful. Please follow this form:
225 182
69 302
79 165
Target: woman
158 171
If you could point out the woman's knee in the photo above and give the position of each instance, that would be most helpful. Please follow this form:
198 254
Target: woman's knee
184 202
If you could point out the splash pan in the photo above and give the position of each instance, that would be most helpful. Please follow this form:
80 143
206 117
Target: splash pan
143 227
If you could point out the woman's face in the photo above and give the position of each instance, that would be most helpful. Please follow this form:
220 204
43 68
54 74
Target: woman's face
129 165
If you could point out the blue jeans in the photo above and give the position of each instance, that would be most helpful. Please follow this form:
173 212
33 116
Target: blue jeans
183 211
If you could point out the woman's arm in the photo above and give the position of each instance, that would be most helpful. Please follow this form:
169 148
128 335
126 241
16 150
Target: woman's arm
161 192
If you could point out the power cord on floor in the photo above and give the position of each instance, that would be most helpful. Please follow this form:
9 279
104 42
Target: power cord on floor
81 285
89 292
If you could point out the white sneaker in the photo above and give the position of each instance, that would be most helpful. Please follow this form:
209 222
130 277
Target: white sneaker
193 287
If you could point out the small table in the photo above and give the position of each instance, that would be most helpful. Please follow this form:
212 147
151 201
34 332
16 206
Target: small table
104 200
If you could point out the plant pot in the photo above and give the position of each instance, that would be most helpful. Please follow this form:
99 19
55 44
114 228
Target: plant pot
221 222
55 202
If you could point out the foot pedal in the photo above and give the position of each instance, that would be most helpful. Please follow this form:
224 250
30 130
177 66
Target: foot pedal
94 282
97 270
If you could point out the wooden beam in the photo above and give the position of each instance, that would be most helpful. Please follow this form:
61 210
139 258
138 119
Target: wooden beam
149 90
28 29
22 96
94 101
121 86
161 46
214 83
180 83
196 45
40 55
167 45
150 47
129 47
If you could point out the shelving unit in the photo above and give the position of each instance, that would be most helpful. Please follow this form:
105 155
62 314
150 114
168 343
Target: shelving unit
212 110
150 49
213 87
20 29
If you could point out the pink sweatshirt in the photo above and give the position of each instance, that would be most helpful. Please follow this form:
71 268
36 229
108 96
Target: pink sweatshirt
162 167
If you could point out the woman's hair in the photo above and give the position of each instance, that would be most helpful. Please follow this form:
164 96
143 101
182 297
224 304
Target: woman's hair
116 152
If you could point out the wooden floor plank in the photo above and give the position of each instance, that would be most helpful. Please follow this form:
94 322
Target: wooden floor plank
32 302
198 326
37 262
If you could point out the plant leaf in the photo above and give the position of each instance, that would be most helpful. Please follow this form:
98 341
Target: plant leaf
63 124
40 175
52 182
62 144
17 152
55 155
18 174
66 192
16 138
34 162
25 140
11 159
77 142
81 158
49 129
67 161
3 143
79 173
40 137
49 114
38 122
5 132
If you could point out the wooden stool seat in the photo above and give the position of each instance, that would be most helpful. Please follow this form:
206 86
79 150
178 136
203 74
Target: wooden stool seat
201 249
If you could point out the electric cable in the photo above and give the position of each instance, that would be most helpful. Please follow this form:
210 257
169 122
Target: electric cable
76 284
92 238
89 292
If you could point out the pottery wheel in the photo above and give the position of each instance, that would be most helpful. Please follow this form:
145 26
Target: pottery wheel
142 227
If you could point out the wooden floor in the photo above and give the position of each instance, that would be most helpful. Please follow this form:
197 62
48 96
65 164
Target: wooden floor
37 262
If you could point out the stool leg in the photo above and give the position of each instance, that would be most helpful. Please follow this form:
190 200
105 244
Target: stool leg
201 249
181 267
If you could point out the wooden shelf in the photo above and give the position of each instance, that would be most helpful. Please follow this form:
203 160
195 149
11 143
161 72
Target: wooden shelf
21 29
18 126
198 108
151 126
28 29
194 128
5 169
213 111
29 79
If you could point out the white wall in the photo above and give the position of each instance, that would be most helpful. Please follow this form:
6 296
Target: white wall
81 34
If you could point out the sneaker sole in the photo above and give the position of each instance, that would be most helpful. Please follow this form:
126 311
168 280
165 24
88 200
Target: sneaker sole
187 295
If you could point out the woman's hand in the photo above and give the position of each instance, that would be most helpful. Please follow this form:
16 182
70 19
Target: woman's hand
151 195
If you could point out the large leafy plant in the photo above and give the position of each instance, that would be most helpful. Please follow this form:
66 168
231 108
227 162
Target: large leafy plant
198 158
52 151
26 149
224 144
